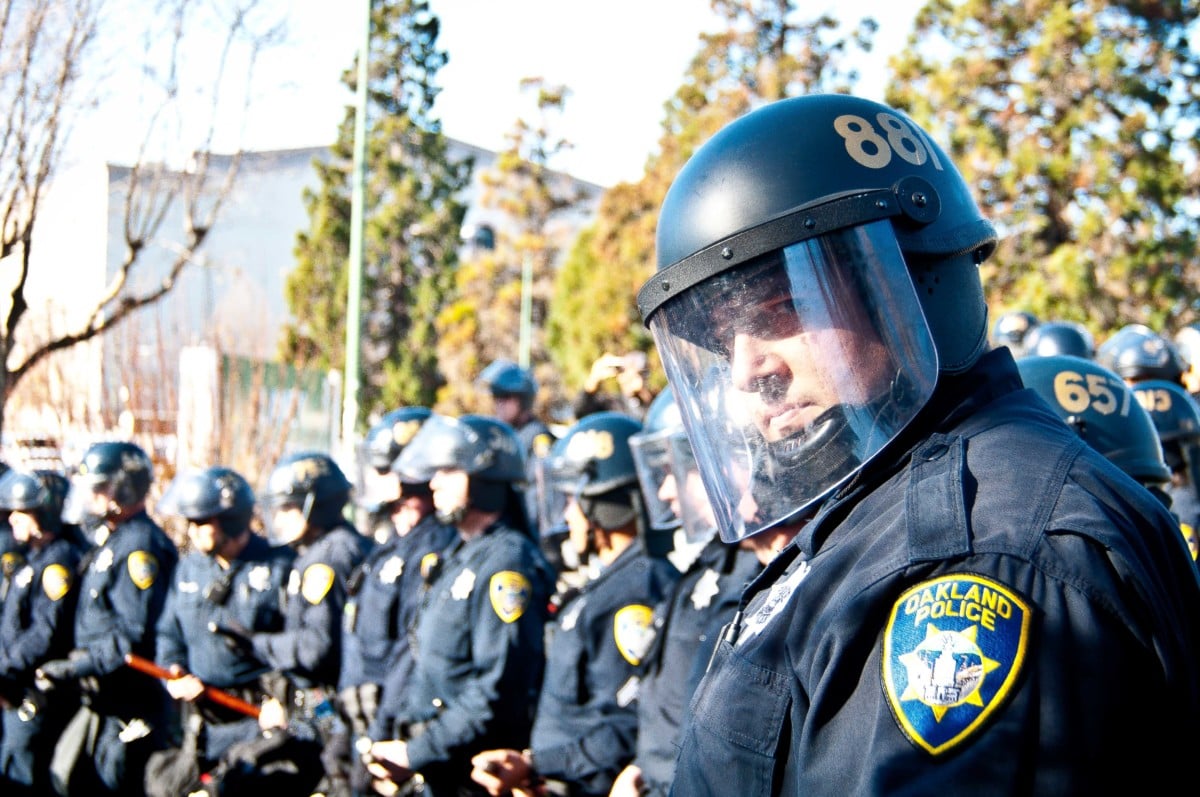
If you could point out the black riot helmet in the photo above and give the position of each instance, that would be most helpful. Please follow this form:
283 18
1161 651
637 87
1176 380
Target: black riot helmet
120 470
1102 409
506 378
1136 352
312 482
593 462
825 214
1011 328
486 449
1059 337
651 449
216 493
387 438
41 493
1176 417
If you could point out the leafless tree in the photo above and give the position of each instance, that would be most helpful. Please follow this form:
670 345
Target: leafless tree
47 48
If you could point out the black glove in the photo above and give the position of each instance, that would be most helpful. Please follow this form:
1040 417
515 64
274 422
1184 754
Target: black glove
235 636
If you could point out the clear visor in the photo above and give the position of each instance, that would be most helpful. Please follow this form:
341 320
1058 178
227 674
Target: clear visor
691 499
794 370
652 460
555 488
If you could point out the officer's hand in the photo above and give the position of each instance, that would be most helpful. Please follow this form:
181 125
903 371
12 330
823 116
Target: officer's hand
388 764
500 771
184 686
235 636
628 783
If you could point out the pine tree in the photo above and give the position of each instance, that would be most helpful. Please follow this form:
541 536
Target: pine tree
1076 124
413 217
483 322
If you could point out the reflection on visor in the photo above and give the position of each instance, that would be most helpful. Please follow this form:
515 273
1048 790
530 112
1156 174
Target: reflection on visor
794 370
652 460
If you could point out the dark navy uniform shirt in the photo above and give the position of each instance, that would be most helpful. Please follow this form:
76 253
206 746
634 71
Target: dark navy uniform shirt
12 556
249 594
479 652
585 730
309 647
38 612
1186 507
378 616
686 628
1000 610
121 596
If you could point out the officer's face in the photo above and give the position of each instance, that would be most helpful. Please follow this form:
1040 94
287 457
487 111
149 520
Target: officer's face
669 494
205 535
449 491
577 527
406 513
288 524
786 374
507 408
25 527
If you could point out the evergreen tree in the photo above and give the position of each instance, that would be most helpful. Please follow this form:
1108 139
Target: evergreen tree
413 216
1076 124
483 322
768 51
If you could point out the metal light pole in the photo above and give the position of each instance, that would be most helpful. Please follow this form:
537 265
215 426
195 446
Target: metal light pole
355 264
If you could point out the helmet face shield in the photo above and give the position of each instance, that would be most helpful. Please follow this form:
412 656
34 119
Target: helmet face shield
652 458
794 369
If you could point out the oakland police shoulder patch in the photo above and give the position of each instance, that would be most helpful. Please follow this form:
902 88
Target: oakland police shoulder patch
143 568
316 582
56 580
952 651
509 592
633 629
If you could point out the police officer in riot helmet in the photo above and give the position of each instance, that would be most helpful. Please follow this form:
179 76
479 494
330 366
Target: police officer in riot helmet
479 634
12 553
1011 328
1176 417
232 578
1051 338
121 595
387 588
1135 352
35 625
1104 411
948 548
513 390
585 727
1187 343
687 624
382 444
305 499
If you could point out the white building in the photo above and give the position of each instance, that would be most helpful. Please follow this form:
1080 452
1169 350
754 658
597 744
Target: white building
228 299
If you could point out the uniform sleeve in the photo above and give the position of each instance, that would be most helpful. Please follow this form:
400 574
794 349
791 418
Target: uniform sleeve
49 603
594 757
507 662
137 595
170 640
308 645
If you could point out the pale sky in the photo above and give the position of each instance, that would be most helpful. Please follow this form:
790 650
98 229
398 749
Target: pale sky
622 59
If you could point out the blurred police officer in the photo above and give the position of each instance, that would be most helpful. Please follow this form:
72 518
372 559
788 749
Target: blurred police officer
1176 417
1187 343
960 560
478 642
233 577
386 591
1136 352
1051 338
12 553
513 390
1104 412
36 626
306 496
686 625
121 595
585 729
1011 328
